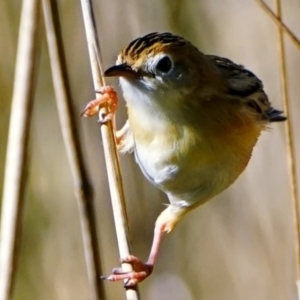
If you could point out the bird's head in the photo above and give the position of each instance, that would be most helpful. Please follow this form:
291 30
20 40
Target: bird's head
158 64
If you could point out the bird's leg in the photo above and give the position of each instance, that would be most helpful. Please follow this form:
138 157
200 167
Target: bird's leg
120 134
107 96
164 224
141 270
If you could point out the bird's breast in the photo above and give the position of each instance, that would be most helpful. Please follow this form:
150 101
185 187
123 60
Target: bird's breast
193 163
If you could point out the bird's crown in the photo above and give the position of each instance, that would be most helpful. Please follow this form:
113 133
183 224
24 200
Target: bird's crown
151 43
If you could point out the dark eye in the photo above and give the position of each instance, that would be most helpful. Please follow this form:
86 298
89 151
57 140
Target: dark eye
164 65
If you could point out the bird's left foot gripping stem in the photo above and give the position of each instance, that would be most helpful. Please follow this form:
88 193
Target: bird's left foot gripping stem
164 224
141 271
107 96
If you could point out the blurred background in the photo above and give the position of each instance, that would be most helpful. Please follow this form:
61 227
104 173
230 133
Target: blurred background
237 246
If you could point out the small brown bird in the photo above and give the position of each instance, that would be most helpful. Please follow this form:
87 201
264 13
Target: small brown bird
193 120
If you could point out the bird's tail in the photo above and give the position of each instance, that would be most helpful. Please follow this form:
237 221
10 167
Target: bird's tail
275 115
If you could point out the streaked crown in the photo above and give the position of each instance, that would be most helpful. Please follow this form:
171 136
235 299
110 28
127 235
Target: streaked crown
152 43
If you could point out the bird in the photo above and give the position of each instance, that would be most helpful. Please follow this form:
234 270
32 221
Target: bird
193 121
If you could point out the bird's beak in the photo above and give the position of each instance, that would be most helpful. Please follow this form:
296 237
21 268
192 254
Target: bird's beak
122 70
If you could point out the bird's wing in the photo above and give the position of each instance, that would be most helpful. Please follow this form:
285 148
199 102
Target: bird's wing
243 83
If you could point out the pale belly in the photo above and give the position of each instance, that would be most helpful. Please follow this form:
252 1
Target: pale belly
192 176
191 165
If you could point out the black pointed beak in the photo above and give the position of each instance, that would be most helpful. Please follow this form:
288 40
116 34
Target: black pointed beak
122 70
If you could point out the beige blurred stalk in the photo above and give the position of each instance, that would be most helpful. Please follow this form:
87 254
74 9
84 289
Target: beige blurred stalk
15 166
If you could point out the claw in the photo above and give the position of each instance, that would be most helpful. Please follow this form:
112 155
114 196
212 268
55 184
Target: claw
106 118
108 96
119 271
140 272
98 91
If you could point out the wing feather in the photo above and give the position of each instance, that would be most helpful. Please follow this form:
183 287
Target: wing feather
243 83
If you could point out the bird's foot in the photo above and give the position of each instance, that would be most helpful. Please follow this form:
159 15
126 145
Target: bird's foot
140 272
109 97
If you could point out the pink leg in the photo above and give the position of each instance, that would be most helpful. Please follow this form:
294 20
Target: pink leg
141 270
164 224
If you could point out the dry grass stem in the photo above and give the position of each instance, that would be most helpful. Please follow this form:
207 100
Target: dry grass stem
291 155
14 180
110 153
82 187
279 22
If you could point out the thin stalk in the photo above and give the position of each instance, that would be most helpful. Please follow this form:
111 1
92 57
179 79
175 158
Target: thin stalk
291 155
83 192
18 136
110 153
279 22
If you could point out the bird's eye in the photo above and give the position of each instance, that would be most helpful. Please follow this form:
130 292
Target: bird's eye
164 65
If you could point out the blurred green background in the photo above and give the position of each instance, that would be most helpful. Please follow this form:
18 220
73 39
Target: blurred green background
238 246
